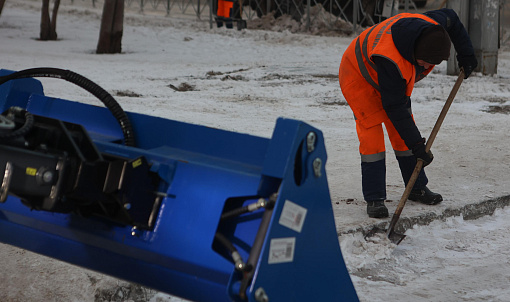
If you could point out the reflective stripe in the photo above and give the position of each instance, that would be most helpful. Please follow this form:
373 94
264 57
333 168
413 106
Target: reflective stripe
370 158
365 49
403 153
362 52
383 28
362 68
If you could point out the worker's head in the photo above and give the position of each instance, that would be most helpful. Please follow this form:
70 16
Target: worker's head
433 45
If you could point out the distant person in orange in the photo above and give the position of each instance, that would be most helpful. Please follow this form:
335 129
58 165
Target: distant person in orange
377 75
224 13
228 12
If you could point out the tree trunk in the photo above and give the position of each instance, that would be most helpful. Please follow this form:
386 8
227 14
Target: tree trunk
53 24
2 2
112 24
45 20
49 26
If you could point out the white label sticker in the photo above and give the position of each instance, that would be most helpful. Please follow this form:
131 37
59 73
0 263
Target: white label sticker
282 250
293 216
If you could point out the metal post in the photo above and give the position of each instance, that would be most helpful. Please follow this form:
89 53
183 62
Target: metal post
394 9
461 7
484 33
390 8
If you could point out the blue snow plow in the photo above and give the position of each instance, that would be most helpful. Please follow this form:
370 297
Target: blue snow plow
196 212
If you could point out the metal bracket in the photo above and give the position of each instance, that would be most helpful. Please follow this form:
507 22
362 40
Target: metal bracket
6 182
317 166
310 141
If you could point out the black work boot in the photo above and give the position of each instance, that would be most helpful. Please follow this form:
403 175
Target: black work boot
377 209
425 196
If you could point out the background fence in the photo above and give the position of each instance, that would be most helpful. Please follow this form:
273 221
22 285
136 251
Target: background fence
329 12
354 13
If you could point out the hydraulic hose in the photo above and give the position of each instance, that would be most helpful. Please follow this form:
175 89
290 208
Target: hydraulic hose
79 80
27 126
261 203
236 257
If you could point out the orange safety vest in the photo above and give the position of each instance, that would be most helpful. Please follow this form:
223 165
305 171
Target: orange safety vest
358 75
224 8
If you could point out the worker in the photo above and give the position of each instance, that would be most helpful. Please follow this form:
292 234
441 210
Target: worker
228 12
224 12
377 75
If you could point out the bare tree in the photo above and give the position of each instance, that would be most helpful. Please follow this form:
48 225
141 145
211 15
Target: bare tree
48 26
112 24
2 2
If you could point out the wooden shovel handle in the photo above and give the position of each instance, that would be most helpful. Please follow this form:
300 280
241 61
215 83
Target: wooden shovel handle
442 115
419 164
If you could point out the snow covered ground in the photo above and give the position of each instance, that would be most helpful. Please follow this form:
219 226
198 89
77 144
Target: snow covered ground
455 260
243 81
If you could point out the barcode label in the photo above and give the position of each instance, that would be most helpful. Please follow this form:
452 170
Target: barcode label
293 216
282 250
289 251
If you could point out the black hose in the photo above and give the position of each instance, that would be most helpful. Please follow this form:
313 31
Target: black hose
236 257
235 212
225 242
23 130
114 107
245 209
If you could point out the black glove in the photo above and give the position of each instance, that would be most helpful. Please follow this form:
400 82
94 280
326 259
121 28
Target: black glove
468 63
420 154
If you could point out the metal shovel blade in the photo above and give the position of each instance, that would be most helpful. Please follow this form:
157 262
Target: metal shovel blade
394 237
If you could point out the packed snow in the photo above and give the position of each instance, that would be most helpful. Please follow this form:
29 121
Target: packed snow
455 260
178 68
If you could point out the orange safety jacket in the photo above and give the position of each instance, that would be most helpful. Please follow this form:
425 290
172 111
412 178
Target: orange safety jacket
224 8
358 74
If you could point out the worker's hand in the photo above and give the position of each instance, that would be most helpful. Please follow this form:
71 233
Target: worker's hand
420 154
468 64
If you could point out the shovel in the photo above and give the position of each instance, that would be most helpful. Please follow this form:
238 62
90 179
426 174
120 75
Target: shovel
393 236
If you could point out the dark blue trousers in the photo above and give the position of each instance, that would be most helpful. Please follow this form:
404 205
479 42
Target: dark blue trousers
373 177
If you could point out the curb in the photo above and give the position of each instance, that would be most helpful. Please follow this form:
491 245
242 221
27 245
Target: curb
469 212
